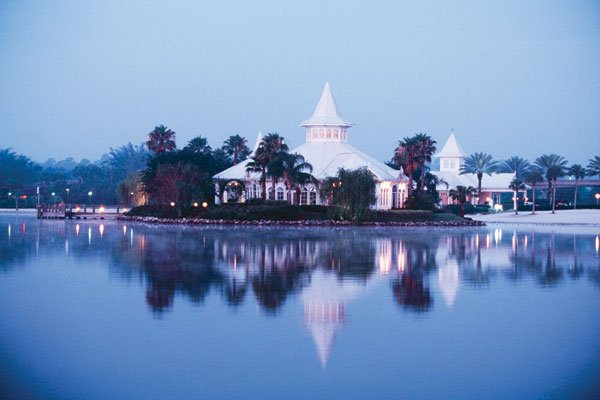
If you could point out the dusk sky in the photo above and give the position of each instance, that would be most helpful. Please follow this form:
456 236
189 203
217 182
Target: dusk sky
511 77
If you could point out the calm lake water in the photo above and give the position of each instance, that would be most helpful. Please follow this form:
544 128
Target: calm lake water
107 310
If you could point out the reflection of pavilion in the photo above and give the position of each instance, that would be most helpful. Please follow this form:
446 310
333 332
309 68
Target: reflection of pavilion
324 308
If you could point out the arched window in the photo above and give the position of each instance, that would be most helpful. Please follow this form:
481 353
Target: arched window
321 133
336 133
314 133
279 193
254 191
271 194
303 197
328 133
313 196
394 196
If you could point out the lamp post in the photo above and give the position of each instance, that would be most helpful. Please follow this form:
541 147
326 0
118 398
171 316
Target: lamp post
597 196
67 189
90 198
130 199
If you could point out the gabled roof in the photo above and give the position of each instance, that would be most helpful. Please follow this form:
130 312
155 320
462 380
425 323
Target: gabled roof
327 112
497 182
451 148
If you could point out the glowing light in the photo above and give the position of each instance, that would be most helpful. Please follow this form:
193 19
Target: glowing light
597 242
498 207
497 235
489 199
101 229
10 194
77 230
477 241
77 209
525 239
90 193
101 210
9 231
195 204
124 210
124 230
597 196
204 204
172 204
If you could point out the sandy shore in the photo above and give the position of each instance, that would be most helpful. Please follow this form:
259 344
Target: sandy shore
561 217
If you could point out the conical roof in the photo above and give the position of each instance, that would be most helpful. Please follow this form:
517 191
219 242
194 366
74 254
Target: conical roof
326 113
451 148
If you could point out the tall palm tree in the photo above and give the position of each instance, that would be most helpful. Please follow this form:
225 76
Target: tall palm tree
577 172
405 157
479 164
161 139
553 167
516 185
237 147
593 167
199 145
424 151
461 194
296 171
534 176
515 164
269 148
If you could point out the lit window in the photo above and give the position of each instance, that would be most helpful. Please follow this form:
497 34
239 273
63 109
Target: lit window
328 133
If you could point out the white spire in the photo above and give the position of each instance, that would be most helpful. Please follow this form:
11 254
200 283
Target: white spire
326 113
451 148
258 140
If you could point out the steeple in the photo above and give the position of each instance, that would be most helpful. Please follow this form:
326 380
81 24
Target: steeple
326 123
452 155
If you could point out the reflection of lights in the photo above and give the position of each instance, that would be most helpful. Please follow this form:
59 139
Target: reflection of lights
90 235
514 241
67 247
477 241
525 240
9 231
597 242
77 229
487 241
235 261
131 236
401 261
23 228
385 257
497 235
101 229
124 230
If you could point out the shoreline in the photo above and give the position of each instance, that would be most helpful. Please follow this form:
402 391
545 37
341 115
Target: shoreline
328 222
580 217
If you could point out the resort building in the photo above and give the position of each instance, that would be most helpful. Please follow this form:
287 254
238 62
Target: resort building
327 149
451 158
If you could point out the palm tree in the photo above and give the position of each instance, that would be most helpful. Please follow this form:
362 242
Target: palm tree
553 167
405 157
533 176
236 146
296 171
161 139
479 164
199 145
515 164
593 167
517 185
462 193
424 151
577 172
268 149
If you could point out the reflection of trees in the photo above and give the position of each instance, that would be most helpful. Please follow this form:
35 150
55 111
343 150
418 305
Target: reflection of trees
272 264
409 288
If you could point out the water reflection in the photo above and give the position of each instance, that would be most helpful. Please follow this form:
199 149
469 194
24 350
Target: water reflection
325 267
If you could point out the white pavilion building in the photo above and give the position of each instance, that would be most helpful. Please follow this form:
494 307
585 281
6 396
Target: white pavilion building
327 150
452 157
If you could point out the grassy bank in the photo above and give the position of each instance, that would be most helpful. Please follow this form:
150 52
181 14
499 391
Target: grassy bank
286 212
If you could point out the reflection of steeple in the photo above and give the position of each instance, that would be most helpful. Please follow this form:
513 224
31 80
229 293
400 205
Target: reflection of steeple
324 309
449 281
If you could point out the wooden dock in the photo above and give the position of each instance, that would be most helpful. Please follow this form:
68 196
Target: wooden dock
62 211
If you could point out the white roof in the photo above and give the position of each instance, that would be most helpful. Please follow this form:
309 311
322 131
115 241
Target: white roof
451 148
495 182
326 159
327 112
